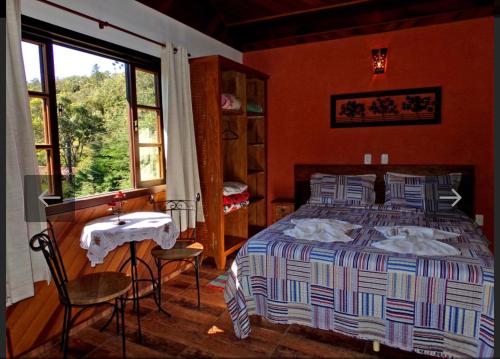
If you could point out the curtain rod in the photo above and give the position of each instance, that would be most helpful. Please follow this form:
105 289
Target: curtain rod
102 24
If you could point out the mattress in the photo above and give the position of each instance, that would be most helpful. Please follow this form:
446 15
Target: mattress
440 306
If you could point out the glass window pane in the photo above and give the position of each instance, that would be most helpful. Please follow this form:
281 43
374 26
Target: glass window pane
39 118
148 126
145 88
32 66
149 163
93 123
44 169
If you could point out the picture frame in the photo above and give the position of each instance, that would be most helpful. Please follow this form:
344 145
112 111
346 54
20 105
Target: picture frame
417 106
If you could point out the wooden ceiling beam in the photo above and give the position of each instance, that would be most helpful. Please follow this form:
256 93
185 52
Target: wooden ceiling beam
343 3
497 7
269 24
366 30
195 13
358 20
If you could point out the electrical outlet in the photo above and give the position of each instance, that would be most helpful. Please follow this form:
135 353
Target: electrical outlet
384 159
479 219
368 159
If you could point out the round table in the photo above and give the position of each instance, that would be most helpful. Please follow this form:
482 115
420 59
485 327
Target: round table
102 235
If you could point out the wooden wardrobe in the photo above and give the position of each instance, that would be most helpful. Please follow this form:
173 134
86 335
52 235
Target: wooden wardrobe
231 146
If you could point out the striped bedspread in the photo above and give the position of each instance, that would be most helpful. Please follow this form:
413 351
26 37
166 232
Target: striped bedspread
441 306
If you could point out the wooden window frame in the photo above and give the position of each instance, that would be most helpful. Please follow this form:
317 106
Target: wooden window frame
48 96
41 33
134 127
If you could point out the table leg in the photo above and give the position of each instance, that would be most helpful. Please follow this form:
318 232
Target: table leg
134 261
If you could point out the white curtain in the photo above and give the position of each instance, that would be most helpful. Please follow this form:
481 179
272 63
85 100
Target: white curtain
183 180
23 266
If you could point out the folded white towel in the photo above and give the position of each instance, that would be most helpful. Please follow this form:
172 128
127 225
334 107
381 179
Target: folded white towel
421 241
323 230
232 187
395 232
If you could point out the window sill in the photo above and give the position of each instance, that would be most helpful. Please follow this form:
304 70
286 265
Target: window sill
81 203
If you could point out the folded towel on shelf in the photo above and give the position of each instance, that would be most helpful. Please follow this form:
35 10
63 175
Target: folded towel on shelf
232 187
417 240
322 230
230 102
254 107
236 198
234 206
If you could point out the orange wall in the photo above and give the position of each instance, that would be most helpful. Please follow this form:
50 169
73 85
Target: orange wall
457 56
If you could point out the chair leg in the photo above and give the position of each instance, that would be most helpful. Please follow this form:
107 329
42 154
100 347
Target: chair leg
115 309
158 289
158 270
66 334
63 331
197 271
122 312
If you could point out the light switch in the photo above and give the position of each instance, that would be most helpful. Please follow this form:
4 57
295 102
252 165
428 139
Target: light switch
368 158
384 159
479 219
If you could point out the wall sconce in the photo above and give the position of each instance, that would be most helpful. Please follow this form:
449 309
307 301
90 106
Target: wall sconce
379 59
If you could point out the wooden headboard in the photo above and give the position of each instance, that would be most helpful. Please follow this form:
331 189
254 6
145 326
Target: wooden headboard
303 173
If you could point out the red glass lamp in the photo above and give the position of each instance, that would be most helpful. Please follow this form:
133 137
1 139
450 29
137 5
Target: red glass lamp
379 59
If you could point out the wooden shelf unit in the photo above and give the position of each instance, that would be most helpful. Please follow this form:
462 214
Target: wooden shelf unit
239 157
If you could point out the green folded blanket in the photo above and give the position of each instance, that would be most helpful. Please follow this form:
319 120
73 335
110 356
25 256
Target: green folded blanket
254 107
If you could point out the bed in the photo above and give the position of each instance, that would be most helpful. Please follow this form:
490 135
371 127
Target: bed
440 306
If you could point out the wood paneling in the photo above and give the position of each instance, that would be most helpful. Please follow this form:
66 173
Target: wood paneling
234 164
260 24
35 320
223 150
205 82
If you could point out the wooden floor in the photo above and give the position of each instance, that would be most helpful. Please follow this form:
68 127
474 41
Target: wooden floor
208 332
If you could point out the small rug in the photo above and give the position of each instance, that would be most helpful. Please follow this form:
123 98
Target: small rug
218 283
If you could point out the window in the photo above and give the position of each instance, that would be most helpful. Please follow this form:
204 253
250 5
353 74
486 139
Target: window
97 119
148 128
34 63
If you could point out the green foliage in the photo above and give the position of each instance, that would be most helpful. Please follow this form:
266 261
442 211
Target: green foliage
35 85
145 85
37 116
93 124
93 132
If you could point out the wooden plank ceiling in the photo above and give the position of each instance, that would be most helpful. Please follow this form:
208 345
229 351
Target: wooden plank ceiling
259 24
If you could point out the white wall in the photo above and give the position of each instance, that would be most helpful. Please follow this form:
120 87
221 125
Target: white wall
132 16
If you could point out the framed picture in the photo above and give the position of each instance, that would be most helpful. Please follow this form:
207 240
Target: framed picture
419 106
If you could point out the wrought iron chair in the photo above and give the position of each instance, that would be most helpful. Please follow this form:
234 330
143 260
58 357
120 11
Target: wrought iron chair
85 292
186 248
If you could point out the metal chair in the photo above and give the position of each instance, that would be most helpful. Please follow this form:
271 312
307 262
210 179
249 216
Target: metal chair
85 292
186 248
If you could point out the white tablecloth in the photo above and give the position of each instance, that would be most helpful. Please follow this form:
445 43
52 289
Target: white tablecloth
102 235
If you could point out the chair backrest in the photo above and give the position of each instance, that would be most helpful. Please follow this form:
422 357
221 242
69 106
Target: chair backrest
45 242
183 213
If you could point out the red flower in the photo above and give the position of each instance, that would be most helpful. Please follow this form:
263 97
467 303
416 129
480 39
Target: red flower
120 195
112 204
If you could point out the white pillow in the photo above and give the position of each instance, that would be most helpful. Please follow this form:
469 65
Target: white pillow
234 188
